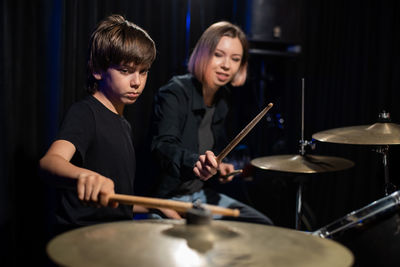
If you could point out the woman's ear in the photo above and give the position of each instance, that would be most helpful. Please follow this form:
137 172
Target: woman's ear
97 75
240 77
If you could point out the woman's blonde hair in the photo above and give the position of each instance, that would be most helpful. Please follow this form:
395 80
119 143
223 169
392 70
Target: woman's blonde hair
207 44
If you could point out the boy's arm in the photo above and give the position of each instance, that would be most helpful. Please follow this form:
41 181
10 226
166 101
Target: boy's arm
91 186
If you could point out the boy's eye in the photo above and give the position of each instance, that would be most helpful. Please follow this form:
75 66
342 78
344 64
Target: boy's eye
123 70
144 72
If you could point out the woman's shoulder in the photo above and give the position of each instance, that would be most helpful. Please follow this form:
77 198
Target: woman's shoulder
182 81
182 84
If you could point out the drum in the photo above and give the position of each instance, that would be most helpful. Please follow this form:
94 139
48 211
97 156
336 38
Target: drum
372 233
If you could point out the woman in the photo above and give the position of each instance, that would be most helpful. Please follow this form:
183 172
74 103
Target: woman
189 121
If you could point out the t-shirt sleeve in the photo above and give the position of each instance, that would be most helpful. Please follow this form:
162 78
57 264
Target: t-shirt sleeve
78 127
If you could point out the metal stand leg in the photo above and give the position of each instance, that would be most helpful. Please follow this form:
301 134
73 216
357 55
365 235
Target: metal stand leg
389 187
299 206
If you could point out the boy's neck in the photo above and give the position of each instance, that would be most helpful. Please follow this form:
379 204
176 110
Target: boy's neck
117 109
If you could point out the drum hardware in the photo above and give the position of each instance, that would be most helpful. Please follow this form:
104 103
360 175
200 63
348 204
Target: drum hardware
381 134
361 216
302 164
372 232
388 186
208 243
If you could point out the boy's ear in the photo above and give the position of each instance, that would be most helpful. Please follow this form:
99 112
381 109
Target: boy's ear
97 75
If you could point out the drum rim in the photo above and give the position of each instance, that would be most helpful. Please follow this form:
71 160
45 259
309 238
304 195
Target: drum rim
351 220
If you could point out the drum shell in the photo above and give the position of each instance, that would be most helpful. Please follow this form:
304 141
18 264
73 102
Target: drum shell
375 242
372 233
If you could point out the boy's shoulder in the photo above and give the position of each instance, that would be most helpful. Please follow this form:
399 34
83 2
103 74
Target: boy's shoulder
88 102
83 107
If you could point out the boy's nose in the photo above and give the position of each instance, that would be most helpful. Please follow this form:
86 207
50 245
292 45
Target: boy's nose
135 79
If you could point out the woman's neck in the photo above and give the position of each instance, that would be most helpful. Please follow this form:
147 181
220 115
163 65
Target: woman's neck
208 95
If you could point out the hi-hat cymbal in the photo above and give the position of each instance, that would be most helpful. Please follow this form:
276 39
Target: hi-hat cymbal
173 243
375 134
302 164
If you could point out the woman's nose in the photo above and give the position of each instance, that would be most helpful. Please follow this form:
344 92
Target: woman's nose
226 63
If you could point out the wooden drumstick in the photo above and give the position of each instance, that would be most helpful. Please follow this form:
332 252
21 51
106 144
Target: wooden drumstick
242 134
179 206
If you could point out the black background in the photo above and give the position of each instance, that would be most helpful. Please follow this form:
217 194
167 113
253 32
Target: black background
349 59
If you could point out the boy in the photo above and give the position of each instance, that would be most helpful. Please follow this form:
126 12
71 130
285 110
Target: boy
94 145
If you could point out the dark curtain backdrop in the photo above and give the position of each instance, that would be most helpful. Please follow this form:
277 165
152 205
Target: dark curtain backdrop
349 59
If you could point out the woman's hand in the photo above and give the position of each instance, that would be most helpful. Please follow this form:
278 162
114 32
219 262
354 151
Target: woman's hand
206 166
168 213
224 169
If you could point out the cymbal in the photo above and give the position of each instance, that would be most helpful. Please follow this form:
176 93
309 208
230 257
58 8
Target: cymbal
375 134
173 243
302 164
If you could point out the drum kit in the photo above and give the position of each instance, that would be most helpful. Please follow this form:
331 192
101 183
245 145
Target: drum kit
199 241
372 232
196 242
381 134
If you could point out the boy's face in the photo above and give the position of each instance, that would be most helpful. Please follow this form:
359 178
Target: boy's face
123 83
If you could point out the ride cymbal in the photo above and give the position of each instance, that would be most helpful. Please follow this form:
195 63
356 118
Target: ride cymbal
173 243
302 164
375 134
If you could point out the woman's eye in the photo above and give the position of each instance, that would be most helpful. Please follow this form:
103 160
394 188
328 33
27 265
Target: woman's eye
218 54
236 59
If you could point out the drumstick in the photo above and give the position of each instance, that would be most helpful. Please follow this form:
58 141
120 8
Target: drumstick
243 133
170 204
231 173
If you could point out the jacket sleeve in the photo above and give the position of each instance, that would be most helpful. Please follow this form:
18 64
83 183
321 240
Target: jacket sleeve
170 114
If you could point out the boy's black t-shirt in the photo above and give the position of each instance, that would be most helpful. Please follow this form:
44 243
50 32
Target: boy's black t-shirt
103 142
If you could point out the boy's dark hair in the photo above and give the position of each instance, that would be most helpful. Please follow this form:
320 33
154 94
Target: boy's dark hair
116 41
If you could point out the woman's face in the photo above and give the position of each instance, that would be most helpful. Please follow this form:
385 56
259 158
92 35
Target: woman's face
224 63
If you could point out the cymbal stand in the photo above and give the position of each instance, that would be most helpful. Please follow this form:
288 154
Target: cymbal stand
299 211
384 150
389 187
303 144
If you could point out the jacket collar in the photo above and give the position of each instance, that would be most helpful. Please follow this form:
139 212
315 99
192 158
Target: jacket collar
221 106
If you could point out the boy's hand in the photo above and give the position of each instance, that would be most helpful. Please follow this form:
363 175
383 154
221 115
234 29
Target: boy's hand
95 188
